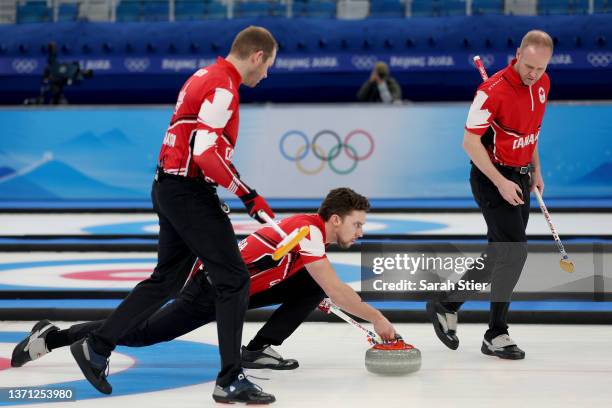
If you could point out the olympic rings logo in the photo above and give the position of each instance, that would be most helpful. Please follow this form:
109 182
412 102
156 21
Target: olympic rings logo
24 66
136 64
340 147
599 59
364 62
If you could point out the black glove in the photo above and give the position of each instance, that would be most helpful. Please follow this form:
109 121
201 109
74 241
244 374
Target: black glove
254 203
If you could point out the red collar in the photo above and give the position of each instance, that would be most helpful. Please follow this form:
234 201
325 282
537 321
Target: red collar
512 76
231 70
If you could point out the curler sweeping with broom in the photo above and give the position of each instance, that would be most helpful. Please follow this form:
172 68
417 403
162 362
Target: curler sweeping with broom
501 136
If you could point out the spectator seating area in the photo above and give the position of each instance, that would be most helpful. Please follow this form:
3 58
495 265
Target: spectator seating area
31 11
429 57
444 34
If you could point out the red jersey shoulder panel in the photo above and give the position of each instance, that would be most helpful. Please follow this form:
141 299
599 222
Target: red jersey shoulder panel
257 249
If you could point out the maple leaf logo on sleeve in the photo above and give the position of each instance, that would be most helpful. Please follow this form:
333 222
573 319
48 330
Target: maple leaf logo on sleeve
313 245
478 118
216 114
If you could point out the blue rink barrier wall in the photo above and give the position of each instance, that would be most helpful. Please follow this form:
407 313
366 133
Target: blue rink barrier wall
109 154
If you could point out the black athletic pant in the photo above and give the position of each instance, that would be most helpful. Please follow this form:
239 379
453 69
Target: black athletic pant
191 223
298 296
506 253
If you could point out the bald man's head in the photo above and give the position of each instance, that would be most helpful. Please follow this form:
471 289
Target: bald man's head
533 56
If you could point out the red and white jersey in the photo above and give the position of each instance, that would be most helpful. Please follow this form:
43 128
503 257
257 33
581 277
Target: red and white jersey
257 249
508 116
202 135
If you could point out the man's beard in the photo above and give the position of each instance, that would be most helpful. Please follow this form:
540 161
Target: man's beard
345 245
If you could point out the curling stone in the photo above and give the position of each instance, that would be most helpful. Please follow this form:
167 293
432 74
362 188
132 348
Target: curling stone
394 358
